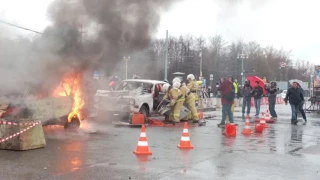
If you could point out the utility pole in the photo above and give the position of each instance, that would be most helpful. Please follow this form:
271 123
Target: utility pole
242 56
166 58
201 63
82 32
126 60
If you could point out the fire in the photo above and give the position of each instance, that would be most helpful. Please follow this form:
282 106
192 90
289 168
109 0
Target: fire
70 86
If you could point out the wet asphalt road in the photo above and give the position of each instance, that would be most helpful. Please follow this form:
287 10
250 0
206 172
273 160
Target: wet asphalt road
282 151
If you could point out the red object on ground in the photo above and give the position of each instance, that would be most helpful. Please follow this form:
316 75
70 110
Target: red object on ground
137 118
253 80
230 130
156 122
142 147
258 128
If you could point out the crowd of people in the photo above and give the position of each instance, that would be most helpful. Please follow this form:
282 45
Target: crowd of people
228 91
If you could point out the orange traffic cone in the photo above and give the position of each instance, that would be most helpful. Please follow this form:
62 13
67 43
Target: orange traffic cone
263 121
267 116
142 147
185 139
246 130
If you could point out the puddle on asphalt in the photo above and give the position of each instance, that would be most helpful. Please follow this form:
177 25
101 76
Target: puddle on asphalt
279 139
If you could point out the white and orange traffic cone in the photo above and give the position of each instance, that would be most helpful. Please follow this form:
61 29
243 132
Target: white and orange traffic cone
246 130
263 121
142 147
185 139
267 116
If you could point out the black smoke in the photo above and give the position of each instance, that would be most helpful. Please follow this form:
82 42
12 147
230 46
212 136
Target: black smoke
83 35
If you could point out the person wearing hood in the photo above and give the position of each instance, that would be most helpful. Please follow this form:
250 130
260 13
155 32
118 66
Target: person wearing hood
246 101
174 95
227 98
193 86
272 98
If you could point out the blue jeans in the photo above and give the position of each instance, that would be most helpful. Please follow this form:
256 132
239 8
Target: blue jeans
246 102
294 111
226 110
257 105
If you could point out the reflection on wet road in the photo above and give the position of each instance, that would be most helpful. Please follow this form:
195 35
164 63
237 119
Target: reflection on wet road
282 151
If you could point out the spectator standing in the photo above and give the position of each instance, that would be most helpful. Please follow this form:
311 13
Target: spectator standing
272 97
246 95
227 98
296 100
257 94
235 90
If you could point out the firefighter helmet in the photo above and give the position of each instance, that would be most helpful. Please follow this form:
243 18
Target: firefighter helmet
165 87
191 76
176 84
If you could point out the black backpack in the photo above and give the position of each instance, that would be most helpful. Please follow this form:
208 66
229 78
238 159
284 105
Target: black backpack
230 95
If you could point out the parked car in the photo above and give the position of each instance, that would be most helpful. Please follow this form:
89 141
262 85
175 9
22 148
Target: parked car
283 94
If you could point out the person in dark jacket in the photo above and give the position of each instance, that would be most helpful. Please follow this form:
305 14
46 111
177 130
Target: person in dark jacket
225 89
272 98
246 95
296 99
257 94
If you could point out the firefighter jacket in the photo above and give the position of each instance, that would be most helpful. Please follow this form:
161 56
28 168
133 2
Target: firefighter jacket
174 95
193 86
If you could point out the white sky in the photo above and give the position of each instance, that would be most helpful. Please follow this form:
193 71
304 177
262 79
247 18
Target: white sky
289 24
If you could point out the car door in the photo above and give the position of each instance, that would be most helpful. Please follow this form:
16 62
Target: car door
157 95
145 96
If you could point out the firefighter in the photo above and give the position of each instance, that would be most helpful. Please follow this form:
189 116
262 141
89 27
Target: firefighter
190 102
176 99
193 86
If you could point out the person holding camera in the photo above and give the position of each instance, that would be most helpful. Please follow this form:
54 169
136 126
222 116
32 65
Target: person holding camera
272 98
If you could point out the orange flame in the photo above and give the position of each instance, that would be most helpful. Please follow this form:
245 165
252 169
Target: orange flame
70 86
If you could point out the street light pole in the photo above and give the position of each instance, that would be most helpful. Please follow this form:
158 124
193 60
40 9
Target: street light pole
201 63
242 56
166 58
126 60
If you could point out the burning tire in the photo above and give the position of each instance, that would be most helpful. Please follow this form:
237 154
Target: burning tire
73 124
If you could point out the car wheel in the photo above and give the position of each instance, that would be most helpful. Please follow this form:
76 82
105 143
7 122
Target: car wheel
73 124
144 110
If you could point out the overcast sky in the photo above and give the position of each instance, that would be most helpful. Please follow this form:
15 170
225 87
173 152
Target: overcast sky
289 24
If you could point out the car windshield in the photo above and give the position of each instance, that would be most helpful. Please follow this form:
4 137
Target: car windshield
285 91
132 85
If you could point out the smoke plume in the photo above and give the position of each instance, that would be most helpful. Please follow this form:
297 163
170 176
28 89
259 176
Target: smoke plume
83 35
